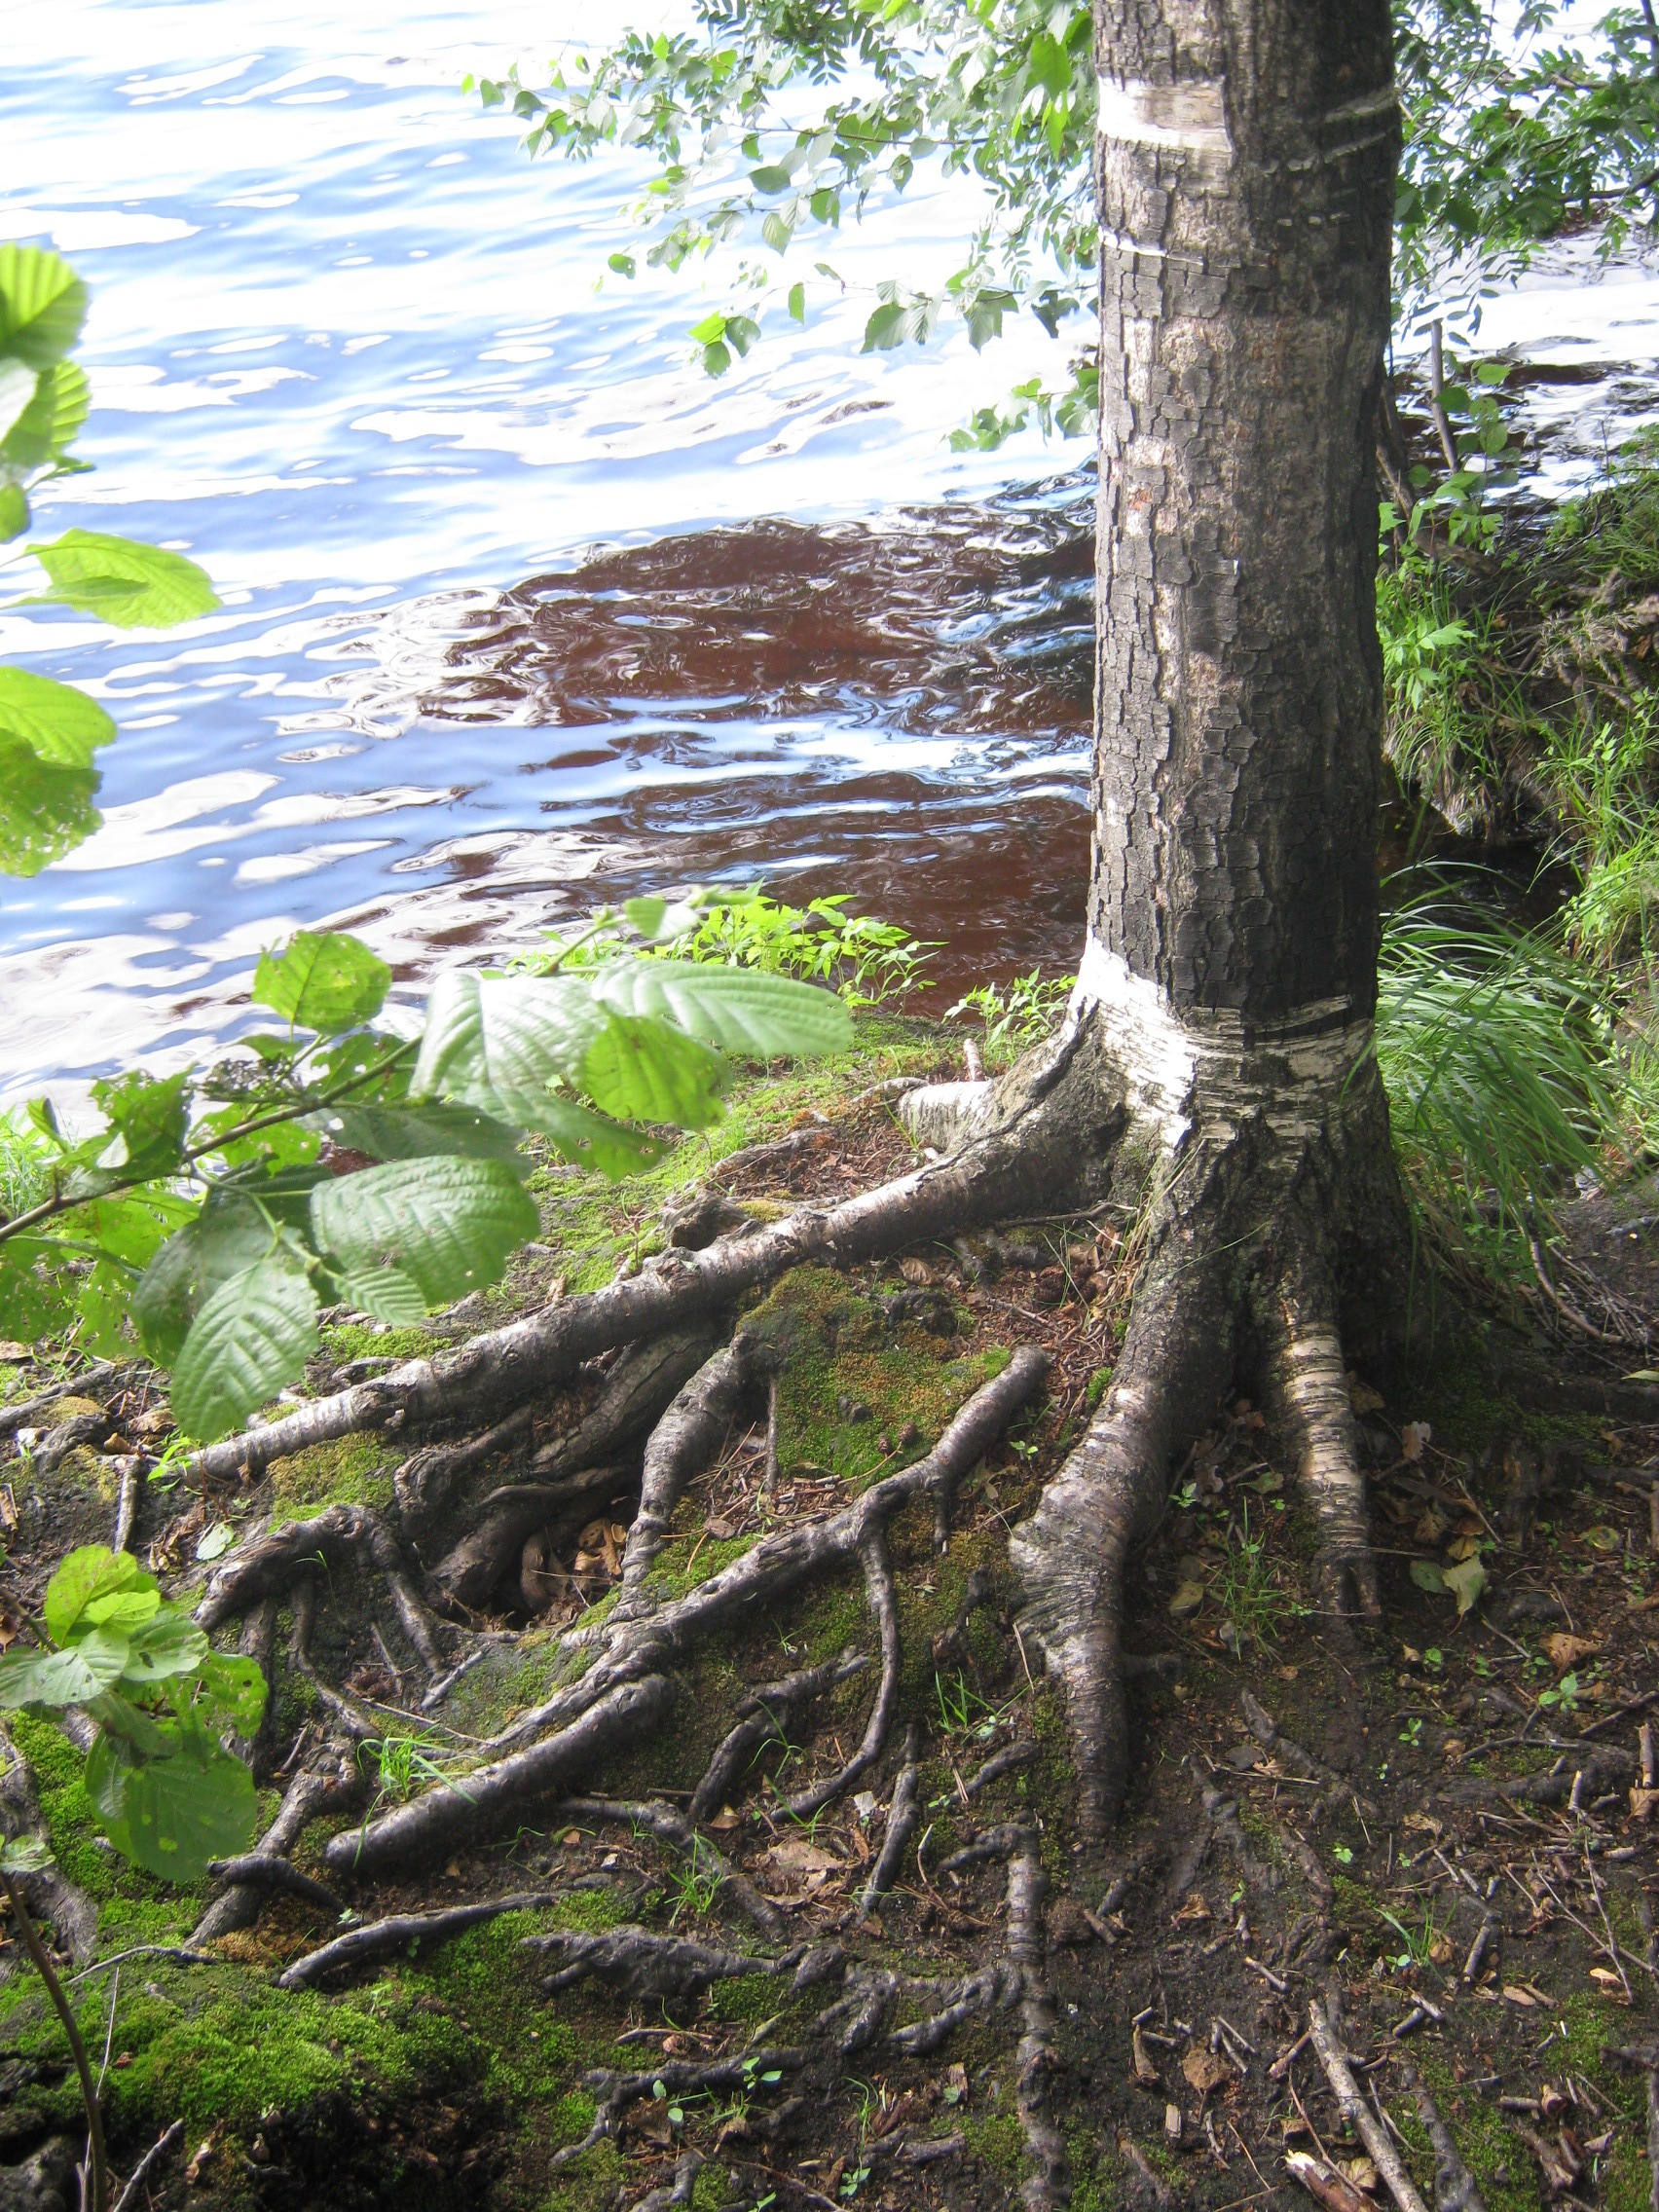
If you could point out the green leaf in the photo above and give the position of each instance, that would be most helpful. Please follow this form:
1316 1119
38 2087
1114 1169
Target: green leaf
169 1645
322 980
1465 1580
18 385
236 1687
797 301
215 1541
147 1118
130 585
497 1042
772 178
63 1678
644 915
55 722
448 1225
1427 1574
387 1293
229 1236
736 1010
253 1334
887 327
415 1132
622 263
173 1815
23 1854
644 1071
87 1575
55 413
710 330
45 811
14 512
43 305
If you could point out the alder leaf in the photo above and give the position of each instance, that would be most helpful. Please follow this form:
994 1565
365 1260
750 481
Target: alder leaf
447 1225
644 1071
43 305
737 1010
323 980
130 585
1465 1580
253 1335
87 1574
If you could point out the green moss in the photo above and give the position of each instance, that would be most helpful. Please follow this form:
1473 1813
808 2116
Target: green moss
998 2139
593 2183
686 1562
358 1339
712 2189
748 1996
353 1470
127 1897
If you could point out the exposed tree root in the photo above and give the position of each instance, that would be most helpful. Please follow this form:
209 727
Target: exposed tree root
47 1893
1455 2186
505 1367
402 1931
902 1816
622 1694
680 1445
772 1704
267 1870
577 1474
634 1962
672 1828
330 1783
1048 2188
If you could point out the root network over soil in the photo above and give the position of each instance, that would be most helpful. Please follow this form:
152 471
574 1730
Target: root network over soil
666 1802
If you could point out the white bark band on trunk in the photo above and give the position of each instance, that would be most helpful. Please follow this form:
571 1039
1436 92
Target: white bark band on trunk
1190 115
1208 1071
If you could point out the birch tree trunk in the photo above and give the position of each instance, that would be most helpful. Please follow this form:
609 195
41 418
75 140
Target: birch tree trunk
1217 1060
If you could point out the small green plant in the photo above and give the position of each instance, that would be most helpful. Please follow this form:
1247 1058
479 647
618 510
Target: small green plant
402 1765
1412 1732
697 1883
962 1711
206 1216
867 962
1419 1941
1562 1698
162 1786
1343 1856
1015 1014
1247 1590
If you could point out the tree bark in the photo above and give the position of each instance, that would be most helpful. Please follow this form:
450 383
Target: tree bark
1227 989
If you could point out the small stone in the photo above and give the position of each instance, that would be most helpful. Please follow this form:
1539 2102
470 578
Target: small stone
1172 2124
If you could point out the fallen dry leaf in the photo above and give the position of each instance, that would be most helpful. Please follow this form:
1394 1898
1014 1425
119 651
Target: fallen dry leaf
1565 1651
1412 1437
1188 1598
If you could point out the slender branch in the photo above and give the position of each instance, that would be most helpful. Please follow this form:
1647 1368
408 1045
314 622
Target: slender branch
58 1203
43 1966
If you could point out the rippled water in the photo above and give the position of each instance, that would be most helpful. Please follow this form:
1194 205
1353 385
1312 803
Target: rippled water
348 348
521 610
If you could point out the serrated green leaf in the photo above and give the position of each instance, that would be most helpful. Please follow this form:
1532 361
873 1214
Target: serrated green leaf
56 411
1427 1574
229 1236
18 385
447 1224
58 1678
173 1816
322 980
130 585
163 1648
14 512
797 303
416 1133
87 1574
237 1687
643 1070
644 914
387 1293
736 1010
772 178
43 305
498 1042
147 1117
45 811
23 1854
55 722
252 1336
